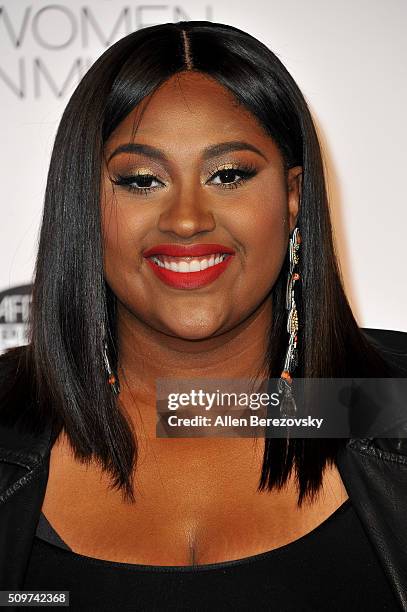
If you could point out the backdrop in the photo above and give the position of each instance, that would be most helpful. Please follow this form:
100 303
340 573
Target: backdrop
348 57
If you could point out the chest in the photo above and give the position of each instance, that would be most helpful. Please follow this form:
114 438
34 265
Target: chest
191 507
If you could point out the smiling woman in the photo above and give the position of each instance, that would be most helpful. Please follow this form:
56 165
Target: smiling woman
201 169
186 234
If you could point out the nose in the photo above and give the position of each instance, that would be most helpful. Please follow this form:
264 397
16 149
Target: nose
187 213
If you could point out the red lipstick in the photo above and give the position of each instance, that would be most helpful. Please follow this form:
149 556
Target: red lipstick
171 263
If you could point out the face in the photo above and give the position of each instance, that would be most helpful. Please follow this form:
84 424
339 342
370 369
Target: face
189 167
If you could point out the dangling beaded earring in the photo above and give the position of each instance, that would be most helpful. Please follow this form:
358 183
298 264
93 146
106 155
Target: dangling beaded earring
287 403
112 379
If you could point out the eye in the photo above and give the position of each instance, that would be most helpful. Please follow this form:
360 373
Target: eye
141 183
227 175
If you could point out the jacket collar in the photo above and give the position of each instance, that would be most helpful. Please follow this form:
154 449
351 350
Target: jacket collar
374 473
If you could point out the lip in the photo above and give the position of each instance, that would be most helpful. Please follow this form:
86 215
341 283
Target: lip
188 280
188 250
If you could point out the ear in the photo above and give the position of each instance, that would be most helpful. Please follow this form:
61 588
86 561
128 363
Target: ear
294 186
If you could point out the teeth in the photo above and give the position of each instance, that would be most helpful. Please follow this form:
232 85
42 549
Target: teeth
183 266
194 266
188 264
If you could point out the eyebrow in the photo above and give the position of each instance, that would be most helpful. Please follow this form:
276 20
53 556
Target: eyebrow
208 152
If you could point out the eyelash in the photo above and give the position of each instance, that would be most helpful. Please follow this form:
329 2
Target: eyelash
246 171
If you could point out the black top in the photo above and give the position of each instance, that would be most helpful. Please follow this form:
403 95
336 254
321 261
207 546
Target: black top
333 567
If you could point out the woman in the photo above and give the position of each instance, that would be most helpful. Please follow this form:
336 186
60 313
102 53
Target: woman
185 140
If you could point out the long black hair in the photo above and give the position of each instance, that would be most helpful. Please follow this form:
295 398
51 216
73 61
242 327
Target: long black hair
73 309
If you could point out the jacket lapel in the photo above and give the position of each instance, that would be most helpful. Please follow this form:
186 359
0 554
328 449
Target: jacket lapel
376 482
24 464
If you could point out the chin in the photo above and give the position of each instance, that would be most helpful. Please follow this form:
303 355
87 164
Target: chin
195 328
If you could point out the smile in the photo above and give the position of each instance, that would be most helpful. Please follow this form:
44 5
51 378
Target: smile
188 266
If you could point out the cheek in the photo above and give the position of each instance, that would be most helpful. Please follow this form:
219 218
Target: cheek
263 234
123 229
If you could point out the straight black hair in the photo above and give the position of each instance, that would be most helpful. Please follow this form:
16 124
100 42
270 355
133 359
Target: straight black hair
61 371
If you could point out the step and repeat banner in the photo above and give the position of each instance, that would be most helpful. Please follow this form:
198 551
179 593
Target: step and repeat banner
348 57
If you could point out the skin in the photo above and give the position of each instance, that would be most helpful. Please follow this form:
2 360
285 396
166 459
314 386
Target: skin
185 488
222 325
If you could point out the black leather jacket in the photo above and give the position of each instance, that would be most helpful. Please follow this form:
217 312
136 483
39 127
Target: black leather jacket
374 472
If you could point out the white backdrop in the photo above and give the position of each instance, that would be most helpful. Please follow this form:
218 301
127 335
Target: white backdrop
348 57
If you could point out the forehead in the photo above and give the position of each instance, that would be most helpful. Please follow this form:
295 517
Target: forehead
191 106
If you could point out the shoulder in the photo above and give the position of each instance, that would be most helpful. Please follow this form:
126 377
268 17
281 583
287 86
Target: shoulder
22 430
390 338
9 364
13 379
391 343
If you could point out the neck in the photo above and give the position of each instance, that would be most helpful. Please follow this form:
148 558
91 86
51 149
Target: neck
147 354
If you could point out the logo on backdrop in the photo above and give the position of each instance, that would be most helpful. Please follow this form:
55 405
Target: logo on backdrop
14 312
39 36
